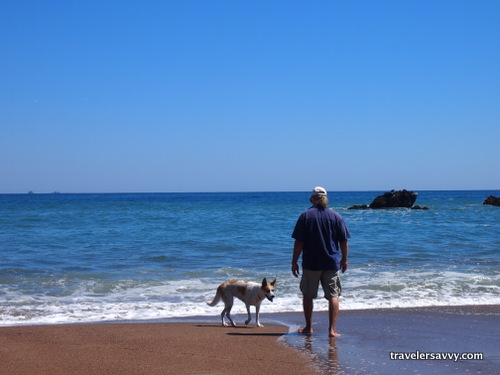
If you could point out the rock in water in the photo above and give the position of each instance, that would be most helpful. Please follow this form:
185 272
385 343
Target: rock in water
393 199
492 201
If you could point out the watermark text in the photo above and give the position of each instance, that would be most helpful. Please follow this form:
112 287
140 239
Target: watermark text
435 356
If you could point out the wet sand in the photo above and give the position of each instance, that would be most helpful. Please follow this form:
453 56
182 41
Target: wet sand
370 336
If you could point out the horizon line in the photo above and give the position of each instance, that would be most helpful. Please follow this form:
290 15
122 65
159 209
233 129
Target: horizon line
31 192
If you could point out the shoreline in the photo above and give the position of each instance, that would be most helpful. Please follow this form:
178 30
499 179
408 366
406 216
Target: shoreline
279 318
199 345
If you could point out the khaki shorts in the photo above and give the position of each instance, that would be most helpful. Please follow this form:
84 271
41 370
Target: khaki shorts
330 282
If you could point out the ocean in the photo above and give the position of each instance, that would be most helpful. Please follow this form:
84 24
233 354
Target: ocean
81 258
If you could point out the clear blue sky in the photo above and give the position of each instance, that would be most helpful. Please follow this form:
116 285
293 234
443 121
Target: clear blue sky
159 96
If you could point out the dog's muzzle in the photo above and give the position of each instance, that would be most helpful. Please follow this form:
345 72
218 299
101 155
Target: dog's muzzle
270 298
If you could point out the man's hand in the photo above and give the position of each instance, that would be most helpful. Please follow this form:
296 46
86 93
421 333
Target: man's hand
343 265
297 250
295 269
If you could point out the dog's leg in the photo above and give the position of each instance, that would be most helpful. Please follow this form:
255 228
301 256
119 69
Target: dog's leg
249 315
228 305
257 308
222 314
228 311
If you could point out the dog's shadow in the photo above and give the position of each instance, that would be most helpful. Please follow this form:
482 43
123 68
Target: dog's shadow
253 334
241 327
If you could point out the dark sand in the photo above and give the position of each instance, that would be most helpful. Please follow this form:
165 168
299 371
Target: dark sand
126 349
202 346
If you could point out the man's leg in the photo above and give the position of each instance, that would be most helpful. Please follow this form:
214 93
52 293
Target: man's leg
307 304
309 287
330 281
333 311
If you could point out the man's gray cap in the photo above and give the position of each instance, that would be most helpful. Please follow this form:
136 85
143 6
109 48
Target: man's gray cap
319 191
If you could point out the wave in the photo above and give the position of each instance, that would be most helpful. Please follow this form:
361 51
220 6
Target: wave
125 300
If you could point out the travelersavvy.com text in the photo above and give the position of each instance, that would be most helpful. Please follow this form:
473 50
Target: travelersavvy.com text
420 356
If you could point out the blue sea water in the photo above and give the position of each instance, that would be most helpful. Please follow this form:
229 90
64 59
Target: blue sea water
68 258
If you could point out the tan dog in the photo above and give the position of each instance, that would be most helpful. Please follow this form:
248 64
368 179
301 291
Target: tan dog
252 294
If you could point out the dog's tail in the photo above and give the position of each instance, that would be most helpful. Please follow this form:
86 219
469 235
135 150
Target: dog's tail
216 299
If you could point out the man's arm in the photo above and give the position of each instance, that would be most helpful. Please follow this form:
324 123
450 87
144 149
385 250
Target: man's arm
344 247
297 250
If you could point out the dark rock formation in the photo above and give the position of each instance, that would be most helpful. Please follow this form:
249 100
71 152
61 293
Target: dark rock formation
359 207
417 207
492 201
392 199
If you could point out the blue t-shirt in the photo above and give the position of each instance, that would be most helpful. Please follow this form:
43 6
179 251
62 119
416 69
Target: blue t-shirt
321 230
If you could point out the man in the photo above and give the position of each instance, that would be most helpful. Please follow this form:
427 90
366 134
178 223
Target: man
321 237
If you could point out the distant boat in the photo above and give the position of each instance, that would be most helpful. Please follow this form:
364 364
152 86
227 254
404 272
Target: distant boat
30 192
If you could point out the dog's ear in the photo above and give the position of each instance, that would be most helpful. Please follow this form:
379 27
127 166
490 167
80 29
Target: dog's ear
264 282
274 282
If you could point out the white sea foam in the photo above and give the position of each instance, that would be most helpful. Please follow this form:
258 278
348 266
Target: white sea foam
184 298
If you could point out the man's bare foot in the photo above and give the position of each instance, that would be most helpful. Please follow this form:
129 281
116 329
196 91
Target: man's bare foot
306 331
334 334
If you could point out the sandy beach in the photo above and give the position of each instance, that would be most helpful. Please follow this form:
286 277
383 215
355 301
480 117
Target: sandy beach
202 346
127 349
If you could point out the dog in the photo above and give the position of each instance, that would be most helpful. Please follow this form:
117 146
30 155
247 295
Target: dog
252 294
